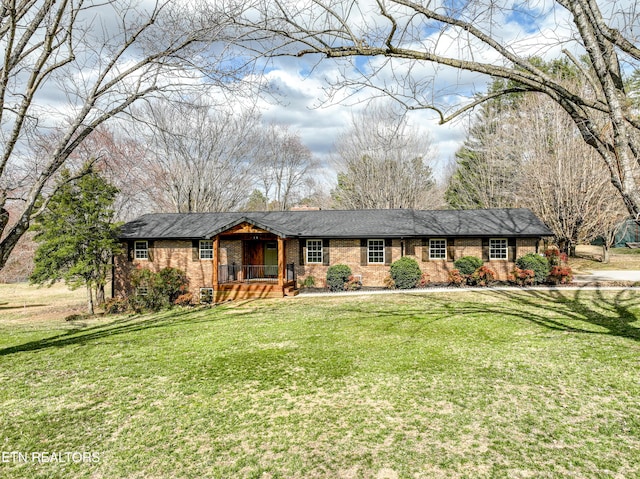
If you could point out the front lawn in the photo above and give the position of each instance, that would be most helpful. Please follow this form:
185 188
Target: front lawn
499 384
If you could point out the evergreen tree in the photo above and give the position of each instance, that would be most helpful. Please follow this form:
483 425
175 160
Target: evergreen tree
486 164
77 235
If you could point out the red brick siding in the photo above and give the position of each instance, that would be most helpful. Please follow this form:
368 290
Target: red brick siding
169 253
348 252
178 254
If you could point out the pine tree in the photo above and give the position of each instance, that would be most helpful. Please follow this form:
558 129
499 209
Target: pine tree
77 235
486 165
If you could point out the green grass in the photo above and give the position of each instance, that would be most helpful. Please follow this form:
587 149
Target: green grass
492 385
627 251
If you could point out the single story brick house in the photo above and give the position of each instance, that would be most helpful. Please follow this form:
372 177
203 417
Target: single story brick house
260 254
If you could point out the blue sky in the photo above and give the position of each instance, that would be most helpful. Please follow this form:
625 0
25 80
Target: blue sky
304 104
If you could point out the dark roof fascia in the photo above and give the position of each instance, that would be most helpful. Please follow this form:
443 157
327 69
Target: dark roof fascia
416 235
162 238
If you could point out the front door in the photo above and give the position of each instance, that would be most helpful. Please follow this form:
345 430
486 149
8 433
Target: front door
254 253
261 259
271 259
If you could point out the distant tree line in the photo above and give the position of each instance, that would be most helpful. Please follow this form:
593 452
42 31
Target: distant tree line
525 151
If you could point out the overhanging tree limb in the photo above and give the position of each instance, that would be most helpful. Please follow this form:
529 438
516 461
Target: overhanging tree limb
100 58
408 30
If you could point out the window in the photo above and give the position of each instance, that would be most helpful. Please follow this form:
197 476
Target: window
437 249
498 248
141 250
206 295
314 251
206 249
375 250
142 290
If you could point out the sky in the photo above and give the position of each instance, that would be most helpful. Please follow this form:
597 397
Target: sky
300 102
299 85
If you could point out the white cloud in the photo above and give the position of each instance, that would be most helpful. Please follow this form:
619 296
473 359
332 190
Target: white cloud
300 84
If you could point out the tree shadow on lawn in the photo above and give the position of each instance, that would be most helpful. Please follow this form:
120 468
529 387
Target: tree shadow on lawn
565 310
553 309
81 334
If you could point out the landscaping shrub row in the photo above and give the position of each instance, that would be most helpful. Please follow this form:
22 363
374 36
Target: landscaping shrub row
405 273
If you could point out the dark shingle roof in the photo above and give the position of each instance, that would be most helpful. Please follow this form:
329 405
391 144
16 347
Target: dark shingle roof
343 224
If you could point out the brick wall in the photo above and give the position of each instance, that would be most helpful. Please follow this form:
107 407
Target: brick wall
174 254
347 251
180 254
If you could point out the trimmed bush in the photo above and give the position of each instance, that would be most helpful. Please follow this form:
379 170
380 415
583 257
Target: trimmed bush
353 284
161 289
560 275
337 276
172 283
309 282
538 264
116 306
555 257
483 276
185 299
405 273
455 278
388 282
467 265
522 277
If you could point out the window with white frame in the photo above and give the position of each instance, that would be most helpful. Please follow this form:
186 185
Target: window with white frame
314 251
142 290
206 249
498 248
141 250
438 248
375 251
206 295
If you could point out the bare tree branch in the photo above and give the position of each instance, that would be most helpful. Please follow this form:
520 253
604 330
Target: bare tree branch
416 32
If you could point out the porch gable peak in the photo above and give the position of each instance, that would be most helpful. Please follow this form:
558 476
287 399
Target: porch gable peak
245 226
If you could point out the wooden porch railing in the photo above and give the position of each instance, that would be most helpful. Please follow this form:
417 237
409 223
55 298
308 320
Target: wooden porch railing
252 273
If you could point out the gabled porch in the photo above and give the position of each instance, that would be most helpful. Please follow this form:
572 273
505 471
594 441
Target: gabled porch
262 272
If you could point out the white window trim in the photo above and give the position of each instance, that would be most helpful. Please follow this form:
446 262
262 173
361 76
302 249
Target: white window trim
200 250
209 290
321 251
445 249
506 249
369 241
145 250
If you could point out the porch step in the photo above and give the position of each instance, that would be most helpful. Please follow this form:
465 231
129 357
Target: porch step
290 291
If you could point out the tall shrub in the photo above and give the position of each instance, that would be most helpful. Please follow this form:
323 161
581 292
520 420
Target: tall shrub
467 265
161 288
538 264
337 276
405 273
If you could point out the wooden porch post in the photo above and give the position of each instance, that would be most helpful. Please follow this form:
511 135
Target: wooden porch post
281 262
216 259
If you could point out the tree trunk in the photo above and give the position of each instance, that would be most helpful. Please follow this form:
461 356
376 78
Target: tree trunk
100 294
605 253
90 301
